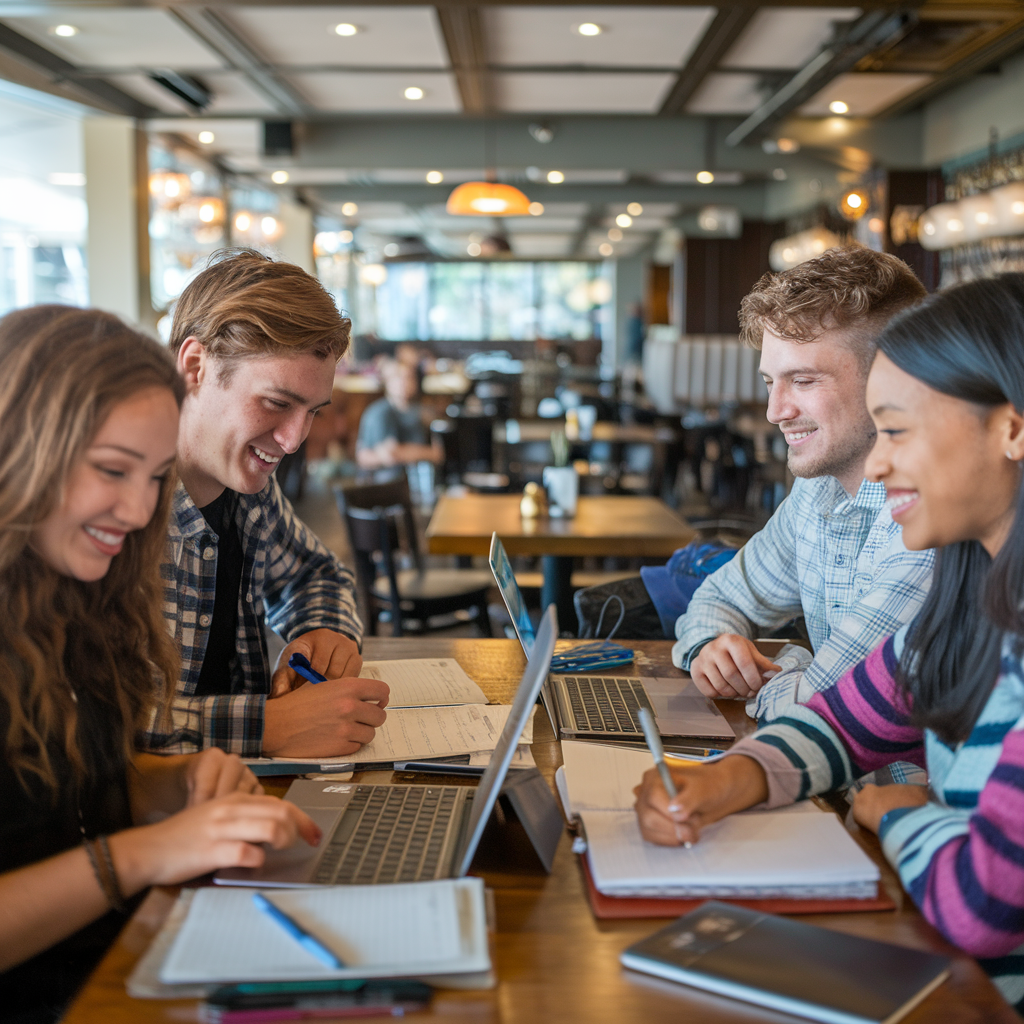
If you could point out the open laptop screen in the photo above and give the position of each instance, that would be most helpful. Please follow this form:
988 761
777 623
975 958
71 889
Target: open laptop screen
486 795
511 594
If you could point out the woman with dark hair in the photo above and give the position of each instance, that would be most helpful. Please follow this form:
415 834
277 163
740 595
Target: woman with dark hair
946 392
88 428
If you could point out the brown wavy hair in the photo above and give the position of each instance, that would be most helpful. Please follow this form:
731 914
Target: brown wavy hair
62 371
245 304
852 288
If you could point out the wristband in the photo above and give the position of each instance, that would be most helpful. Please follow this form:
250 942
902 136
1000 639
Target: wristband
103 868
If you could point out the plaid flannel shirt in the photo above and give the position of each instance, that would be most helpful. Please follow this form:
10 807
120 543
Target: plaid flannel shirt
290 581
838 561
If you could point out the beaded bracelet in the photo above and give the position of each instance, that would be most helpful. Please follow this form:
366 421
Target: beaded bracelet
103 869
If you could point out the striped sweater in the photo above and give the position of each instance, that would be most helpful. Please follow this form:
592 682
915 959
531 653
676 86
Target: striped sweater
961 856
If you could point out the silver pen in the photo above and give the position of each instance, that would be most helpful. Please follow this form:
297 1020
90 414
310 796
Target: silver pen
653 738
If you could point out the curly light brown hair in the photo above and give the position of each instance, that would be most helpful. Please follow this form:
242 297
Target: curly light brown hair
245 304
62 372
853 289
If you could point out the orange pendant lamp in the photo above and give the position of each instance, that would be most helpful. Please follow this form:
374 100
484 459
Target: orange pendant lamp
489 199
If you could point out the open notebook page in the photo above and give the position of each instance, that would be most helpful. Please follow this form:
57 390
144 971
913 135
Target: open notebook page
410 929
601 777
421 682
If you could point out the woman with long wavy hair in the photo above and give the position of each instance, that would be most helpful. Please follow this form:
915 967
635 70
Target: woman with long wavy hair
88 427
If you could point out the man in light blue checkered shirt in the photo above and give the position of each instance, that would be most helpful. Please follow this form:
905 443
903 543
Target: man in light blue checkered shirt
831 552
257 342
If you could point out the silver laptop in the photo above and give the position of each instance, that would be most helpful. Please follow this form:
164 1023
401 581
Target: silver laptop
395 833
606 707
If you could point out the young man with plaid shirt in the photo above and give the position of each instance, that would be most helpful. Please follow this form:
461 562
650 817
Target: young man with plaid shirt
257 342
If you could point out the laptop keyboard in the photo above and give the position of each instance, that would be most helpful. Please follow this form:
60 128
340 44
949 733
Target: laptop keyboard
605 704
389 834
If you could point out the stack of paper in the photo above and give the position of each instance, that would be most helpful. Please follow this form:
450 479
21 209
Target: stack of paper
435 712
797 852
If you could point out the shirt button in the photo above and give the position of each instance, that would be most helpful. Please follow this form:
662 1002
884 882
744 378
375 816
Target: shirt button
839 559
204 620
208 553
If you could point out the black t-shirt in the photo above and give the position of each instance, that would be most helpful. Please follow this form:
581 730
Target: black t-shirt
36 824
215 675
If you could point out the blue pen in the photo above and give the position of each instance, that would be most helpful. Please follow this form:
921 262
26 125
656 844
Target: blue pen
297 932
300 663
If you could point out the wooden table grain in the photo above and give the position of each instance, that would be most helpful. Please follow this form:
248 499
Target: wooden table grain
555 963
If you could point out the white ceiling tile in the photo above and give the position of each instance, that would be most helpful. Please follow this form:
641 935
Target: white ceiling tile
722 93
632 36
240 138
117 37
371 91
866 93
563 93
785 37
690 178
233 93
147 91
655 210
387 37
541 225
374 210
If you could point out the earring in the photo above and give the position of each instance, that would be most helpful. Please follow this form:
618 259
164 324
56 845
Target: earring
1009 456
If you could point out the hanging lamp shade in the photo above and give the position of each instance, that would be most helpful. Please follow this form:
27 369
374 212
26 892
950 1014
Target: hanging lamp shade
487 198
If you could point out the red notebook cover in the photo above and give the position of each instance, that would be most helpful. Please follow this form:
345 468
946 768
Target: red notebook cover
608 907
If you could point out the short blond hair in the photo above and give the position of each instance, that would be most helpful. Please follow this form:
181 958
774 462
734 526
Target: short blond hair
851 288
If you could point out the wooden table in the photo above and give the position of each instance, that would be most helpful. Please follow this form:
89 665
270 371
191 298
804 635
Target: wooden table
555 963
610 524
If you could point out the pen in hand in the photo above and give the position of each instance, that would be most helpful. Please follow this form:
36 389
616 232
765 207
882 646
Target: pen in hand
308 942
653 738
300 664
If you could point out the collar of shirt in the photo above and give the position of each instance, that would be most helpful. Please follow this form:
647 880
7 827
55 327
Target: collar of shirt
833 500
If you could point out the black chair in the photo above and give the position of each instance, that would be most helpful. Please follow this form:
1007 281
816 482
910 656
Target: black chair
373 513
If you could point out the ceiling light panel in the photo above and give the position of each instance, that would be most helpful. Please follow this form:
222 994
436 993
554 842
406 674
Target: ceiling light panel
722 93
865 93
532 246
630 36
374 91
785 37
387 36
118 38
584 93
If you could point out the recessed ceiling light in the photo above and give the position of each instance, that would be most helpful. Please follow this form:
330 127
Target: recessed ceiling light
787 145
243 222
705 177
556 177
614 235
279 177
634 209
392 249
414 92
349 209
206 138
268 225
345 29
839 107
624 220
474 249
588 28
536 209
605 249
345 237
435 177
64 31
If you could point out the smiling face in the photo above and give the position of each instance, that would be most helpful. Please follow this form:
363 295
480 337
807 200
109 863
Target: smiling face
235 430
943 461
816 396
112 489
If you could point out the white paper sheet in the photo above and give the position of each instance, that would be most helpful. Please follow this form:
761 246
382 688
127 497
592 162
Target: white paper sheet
410 733
600 777
422 682
410 929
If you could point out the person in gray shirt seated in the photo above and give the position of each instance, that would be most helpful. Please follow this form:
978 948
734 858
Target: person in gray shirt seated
393 430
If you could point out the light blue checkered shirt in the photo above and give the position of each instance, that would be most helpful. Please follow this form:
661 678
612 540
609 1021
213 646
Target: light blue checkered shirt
838 561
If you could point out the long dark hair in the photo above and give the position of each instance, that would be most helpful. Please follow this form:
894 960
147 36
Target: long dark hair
967 342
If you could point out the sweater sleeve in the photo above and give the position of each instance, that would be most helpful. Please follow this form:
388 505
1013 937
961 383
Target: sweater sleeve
854 727
965 869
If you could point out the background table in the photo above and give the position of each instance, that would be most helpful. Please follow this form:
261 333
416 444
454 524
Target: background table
555 963
604 525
